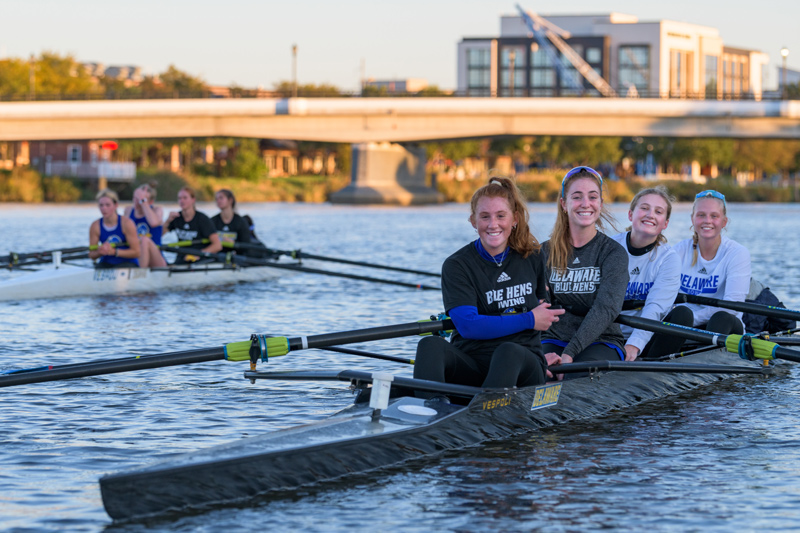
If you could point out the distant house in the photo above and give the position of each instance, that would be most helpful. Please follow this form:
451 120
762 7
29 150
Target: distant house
79 159
284 158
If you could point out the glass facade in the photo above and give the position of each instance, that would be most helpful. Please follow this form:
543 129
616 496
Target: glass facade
634 68
479 68
711 76
513 61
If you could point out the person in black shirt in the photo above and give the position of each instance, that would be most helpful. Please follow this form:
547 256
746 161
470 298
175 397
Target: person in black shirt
190 224
587 274
493 289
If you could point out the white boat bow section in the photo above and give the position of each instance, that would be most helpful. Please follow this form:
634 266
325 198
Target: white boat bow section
69 280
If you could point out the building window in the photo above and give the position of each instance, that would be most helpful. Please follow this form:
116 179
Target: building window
74 153
711 76
593 55
634 68
478 71
513 71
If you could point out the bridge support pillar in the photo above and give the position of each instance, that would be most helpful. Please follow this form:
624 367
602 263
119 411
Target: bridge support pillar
387 173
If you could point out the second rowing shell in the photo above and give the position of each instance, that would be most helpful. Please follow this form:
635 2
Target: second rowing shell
68 280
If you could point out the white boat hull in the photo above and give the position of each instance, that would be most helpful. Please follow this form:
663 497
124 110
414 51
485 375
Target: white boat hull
68 280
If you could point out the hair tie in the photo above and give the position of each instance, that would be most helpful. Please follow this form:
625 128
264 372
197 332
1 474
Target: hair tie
495 181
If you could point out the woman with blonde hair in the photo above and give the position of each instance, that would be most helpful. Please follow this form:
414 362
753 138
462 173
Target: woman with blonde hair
713 265
148 219
586 272
115 236
493 289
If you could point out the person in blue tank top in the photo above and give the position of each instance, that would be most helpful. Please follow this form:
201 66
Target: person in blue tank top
115 236
148 219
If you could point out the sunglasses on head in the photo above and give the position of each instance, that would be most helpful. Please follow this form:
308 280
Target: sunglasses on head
578 170
712 193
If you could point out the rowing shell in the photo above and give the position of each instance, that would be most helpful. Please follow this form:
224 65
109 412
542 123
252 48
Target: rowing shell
68 280
355 441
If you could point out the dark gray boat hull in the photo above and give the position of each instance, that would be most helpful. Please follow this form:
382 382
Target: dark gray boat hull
352 442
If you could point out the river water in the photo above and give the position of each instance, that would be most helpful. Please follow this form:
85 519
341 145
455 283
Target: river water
711 460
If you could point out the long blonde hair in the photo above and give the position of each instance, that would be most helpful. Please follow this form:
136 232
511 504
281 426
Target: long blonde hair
521 239
561 248
663 193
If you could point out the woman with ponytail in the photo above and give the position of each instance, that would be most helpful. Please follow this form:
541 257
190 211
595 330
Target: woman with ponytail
587 274
493 288
713 266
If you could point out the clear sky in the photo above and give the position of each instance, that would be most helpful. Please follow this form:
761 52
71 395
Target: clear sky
249 42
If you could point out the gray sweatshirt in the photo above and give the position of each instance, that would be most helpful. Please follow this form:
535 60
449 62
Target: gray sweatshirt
591 291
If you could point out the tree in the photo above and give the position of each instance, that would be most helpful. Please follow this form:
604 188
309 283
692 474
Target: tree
178 81
54 75
285 89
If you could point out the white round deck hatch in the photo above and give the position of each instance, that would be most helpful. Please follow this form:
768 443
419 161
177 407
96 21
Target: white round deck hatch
417 410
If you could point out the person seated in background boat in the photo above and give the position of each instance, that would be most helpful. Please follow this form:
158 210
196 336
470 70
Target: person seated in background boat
493 289
235 229
713 266
231 227
654 271
190 224
114 235
148 219
587 274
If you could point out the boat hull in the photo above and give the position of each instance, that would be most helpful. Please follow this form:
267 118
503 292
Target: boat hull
353 442
68 280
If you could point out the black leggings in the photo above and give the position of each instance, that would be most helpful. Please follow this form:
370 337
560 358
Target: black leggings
511 365
661 344
594 352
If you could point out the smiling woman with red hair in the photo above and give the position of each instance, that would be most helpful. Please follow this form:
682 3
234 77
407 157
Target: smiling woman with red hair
492 289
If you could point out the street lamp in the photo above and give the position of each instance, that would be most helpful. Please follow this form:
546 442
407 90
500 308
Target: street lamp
294 70
784 54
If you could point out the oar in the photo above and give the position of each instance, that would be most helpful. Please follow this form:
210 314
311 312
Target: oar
451 389
254 261
745 307
13 258
300 255
654 366
237 351
760 348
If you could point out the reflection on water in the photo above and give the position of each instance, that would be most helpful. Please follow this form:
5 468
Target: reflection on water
706 460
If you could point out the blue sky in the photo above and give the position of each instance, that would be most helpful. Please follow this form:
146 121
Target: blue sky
249 42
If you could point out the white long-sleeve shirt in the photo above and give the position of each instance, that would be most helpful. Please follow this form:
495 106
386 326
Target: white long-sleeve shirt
725 277
655 278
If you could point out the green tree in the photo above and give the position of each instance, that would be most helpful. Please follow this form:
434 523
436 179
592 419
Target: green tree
247 162
181 82
285 89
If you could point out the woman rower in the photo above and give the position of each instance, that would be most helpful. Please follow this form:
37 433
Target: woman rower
654 270
713 265
493 289
148 219
190 224
230 226
115 236
586 272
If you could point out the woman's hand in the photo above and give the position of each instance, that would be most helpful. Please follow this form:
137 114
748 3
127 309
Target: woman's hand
106 249
565 360
172 216
631 352
544 316
552 358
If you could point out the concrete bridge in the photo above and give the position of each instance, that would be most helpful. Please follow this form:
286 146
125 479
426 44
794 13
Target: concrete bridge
383 170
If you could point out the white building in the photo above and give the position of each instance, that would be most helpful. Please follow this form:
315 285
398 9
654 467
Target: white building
664 58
